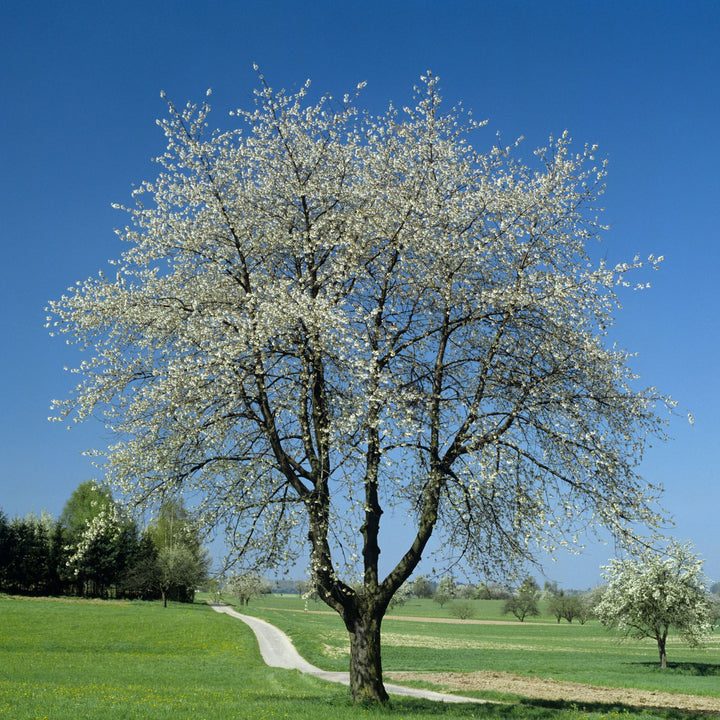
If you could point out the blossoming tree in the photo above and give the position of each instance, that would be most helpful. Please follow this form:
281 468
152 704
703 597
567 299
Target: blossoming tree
323 316
649 594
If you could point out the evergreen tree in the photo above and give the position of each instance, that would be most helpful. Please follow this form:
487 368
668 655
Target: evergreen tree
5 549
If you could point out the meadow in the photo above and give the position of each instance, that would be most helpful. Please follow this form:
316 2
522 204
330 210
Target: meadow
61 659
420 636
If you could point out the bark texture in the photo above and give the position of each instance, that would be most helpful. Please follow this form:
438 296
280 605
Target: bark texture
366 684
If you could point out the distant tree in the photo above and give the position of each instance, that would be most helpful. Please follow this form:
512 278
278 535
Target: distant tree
84 504
32 555
175 525
126 551
13 575
59 577
550 590
445 591
41 529
492 591
107 557
423 587
592 597
567 606
285 586
586 608
521 607
174 528
43 556
213 586
404 593
180 571
27 566
555 604
141 578
5 549
714 609
92 561
525 601
573 608
649 594
462 609
247 586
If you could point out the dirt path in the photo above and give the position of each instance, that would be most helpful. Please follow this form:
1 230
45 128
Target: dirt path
278 650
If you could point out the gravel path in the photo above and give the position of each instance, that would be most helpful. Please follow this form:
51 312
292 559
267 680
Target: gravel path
277 650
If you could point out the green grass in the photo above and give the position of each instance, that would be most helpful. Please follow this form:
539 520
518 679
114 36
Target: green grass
69 660
577 653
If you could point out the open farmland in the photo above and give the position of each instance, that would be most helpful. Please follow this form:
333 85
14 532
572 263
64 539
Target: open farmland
492 654
63 659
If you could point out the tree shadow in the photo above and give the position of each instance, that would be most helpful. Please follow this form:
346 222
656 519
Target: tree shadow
522 709
613 709
695 669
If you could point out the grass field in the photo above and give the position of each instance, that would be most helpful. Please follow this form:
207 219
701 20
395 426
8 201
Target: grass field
578 653
63 659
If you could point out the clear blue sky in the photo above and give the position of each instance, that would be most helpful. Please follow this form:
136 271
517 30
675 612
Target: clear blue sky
80 86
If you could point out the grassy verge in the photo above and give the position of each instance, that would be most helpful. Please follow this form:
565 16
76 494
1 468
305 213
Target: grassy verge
69 660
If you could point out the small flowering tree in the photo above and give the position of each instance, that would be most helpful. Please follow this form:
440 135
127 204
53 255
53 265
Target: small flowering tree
247 585
324 315
649 594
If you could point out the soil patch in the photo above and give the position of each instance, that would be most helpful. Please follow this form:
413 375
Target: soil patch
549 689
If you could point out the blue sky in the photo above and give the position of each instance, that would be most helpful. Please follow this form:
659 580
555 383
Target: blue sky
81 89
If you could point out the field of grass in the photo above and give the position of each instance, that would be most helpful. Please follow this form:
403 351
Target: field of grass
63 659
578 653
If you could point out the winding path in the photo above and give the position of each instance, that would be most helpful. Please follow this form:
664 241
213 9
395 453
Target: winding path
277 650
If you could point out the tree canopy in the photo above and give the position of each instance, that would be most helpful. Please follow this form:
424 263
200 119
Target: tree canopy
324 315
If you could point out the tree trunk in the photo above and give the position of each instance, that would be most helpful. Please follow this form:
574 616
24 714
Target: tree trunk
366 683
661 651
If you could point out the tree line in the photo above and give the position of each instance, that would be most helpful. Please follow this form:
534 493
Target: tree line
522 601
117 558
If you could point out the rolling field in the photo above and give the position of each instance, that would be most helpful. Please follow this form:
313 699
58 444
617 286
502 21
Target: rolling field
495 643
63 659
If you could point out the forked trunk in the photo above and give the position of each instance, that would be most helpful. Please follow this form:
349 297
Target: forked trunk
366 683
